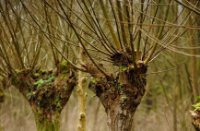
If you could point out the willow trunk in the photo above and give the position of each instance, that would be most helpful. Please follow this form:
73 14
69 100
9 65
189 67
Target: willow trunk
121 96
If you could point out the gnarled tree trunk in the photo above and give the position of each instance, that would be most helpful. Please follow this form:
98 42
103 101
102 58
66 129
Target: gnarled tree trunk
47 93
121 96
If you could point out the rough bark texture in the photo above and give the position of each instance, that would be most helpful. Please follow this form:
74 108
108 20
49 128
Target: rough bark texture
196 119
47 93
121 96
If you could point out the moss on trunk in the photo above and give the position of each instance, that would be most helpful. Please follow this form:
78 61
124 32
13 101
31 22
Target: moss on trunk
121 96
47 93
47 124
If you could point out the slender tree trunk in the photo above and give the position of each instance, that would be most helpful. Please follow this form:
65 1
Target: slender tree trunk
82 96
82 102
194 40
121 96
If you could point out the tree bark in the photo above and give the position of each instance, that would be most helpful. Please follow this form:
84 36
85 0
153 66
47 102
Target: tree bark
196 119
47 93
82 102
47 124
121 96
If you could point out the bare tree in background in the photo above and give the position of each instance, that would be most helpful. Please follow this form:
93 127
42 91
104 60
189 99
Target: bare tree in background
194 6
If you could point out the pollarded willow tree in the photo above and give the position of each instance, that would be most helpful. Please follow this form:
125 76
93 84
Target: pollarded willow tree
30 63
114 41
119 39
